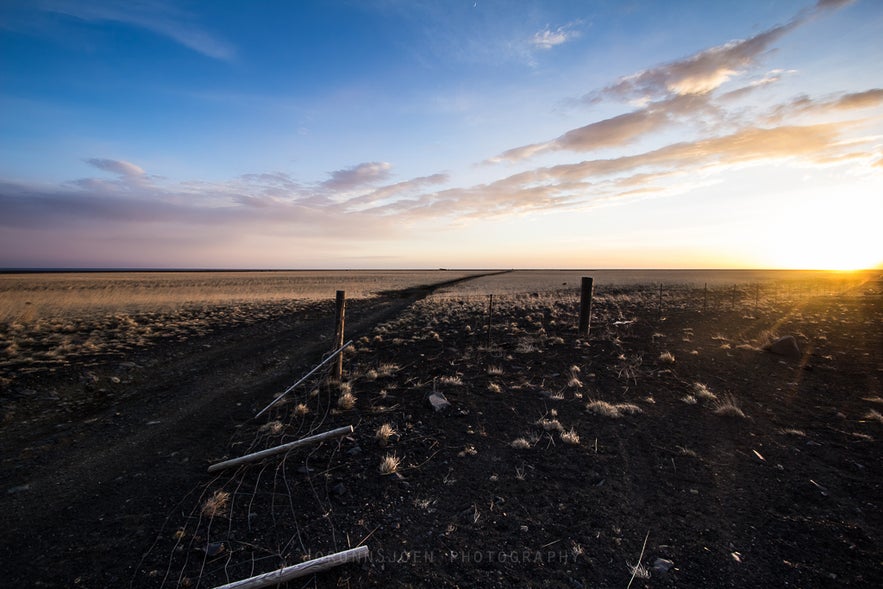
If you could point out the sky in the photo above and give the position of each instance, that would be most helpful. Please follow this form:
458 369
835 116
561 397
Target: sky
447 133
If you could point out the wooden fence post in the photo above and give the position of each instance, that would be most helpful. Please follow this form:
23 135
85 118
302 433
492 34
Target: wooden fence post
338 332
490 315
585 306
659 305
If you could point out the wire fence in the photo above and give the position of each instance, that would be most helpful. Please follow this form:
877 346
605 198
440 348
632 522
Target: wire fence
260 516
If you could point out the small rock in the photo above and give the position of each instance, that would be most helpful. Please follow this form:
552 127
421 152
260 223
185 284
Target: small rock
662 565
338 489
18 489
214 549
785 346
438 402
354 451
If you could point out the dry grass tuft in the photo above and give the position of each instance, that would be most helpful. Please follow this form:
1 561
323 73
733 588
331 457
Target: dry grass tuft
667 358
614 411
520 444
451 380
217 504
301 409
387 369
346 401
794 432
701 391
684 451
389 464
550 424
384 433
494 388
274 427
689 399
570 437
874 415
494 371
728 407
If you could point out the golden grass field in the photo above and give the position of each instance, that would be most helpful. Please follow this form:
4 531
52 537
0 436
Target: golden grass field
47 319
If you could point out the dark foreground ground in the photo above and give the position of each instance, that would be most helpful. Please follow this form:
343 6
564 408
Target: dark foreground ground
769 474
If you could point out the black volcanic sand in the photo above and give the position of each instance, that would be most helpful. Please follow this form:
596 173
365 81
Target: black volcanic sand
104 481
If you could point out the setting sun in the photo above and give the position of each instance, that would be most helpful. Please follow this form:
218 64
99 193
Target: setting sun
823 233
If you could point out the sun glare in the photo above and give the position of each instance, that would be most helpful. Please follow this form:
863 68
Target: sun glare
829 234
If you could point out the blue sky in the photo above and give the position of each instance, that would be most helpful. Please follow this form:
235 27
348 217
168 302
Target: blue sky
395 134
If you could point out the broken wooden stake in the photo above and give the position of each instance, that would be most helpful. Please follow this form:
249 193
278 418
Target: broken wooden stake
335 433
303 569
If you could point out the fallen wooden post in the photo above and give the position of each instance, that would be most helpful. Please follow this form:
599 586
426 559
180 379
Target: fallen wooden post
306 376
299 570
335 433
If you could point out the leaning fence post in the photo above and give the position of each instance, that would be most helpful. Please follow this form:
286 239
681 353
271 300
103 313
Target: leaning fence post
338 332
585 305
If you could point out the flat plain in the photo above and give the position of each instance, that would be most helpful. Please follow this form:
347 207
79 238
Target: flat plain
667 448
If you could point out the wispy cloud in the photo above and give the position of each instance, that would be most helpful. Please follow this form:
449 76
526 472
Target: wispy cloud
683 90
699 73
842 102
123 168
549 38
156 16
615 131
358 176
